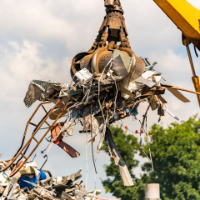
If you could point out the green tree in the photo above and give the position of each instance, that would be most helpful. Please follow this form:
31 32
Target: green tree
176 157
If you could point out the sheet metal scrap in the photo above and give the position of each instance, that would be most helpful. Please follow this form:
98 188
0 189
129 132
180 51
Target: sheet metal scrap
118 159
62 188
44 89
58 139
103 100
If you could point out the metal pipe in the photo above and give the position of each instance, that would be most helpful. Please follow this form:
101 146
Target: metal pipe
152 191
191 61
38 128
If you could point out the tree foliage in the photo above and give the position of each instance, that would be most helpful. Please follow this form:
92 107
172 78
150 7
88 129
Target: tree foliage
176 157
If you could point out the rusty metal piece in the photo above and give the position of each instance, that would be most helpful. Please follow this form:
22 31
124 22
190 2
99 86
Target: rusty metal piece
146 91
76 66
112 30
56 135
113 5
37 128
182 89
55 131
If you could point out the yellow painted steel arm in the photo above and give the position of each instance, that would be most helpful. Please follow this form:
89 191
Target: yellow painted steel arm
185 16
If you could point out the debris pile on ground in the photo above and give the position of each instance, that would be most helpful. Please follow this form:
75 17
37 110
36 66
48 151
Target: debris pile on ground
33 183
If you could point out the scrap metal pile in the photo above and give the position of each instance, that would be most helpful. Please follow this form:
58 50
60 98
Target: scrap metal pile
33 183
98 100
109 82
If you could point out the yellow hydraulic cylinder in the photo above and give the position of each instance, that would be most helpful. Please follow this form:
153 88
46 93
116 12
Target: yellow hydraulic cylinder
195 80
187 18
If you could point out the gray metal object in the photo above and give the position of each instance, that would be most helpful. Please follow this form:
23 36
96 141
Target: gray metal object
84 75
152 191
191 61
45 89
126 177
70 124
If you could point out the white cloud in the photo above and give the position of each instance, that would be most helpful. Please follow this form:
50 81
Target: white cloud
22 62
195 3
76 23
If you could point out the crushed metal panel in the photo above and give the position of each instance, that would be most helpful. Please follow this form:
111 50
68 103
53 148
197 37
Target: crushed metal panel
145 82
127 61
178 95
126 94
162 99
84 75
34 93
57 136
119 68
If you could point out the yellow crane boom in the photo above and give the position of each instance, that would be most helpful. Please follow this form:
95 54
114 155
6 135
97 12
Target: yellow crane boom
187 18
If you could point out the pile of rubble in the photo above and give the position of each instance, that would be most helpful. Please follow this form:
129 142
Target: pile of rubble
32 183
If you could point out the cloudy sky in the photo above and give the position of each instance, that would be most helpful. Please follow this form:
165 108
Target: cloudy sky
39 38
